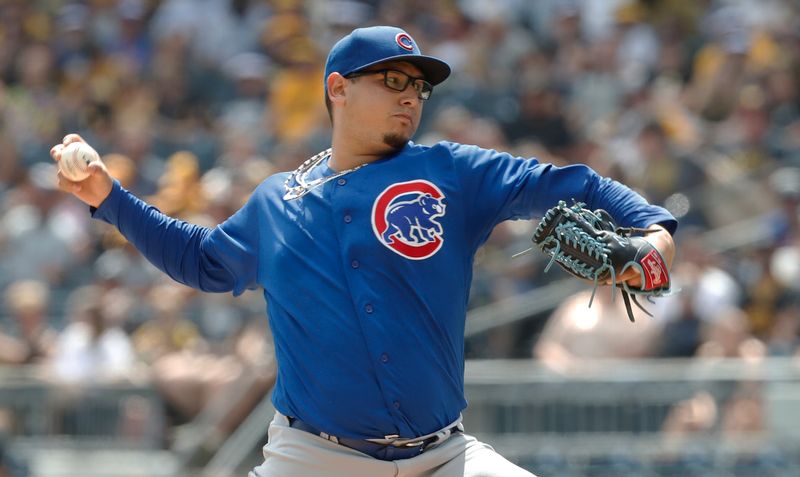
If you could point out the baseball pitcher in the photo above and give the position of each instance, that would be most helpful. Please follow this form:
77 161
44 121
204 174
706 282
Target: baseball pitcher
364 254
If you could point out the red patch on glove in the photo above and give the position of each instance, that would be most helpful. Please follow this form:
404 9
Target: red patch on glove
655 271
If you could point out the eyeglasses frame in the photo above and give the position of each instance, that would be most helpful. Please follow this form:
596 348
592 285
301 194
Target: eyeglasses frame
410 80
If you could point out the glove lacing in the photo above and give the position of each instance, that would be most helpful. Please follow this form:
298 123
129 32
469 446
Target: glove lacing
569 232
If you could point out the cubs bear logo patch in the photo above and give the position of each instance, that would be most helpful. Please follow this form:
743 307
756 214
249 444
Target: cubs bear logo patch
405 218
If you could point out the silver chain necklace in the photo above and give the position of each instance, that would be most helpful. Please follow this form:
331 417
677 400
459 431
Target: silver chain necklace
299 175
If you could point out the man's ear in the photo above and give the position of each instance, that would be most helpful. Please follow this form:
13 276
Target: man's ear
336 88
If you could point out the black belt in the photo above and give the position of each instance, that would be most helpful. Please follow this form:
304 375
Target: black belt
389 451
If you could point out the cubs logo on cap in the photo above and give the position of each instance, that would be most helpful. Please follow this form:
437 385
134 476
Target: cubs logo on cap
405 219
365 47
405 41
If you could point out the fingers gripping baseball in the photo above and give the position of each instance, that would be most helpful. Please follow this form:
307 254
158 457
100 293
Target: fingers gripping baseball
81 173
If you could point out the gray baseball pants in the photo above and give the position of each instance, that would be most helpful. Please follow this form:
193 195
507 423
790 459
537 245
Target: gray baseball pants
295 453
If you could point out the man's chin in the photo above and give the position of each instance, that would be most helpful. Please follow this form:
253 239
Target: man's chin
396 141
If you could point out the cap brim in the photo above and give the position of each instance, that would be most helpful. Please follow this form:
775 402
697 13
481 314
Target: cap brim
434 69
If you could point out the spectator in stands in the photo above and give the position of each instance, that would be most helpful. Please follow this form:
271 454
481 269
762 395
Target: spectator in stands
28 302
681 335
167 330
696 414
727 335
92 348
660 170
784 335
542 116
40 235
574 333
179 190
295 115
740 413
33 111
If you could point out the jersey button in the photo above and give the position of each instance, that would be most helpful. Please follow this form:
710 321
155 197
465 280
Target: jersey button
348 218
368 308
342 181
384 358
396 404
355 264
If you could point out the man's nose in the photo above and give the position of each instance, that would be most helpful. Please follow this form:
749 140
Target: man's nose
410 97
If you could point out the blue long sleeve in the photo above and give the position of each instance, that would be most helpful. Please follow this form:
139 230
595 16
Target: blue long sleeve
500 187
208 259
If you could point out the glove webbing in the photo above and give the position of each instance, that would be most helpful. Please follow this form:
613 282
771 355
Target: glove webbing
569 232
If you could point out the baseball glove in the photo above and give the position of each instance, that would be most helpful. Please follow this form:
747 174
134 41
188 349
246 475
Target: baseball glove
589 245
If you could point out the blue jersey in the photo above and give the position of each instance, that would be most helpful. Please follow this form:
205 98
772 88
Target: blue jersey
367 277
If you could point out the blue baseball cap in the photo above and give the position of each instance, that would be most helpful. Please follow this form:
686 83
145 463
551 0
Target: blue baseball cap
365 47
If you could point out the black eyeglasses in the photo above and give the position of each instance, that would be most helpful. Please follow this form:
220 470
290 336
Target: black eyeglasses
399 81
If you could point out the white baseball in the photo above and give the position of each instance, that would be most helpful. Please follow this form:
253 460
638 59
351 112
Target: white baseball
75 160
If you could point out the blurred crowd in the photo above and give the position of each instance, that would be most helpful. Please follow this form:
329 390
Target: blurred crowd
192 103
